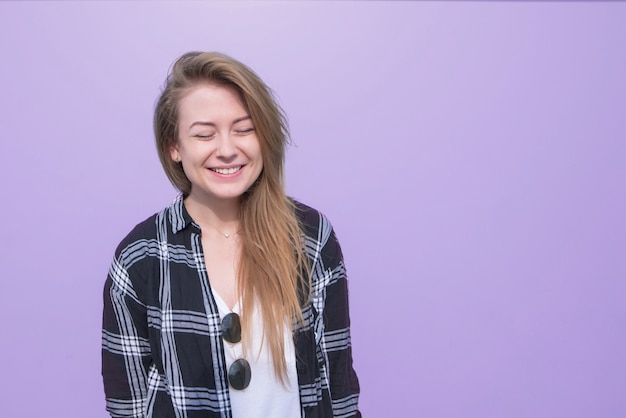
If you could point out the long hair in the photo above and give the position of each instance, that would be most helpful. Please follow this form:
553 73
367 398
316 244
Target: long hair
272 267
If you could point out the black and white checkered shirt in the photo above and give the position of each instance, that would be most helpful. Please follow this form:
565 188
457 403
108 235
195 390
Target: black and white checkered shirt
162 351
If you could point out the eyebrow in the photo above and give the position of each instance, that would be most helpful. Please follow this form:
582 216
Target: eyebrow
205 123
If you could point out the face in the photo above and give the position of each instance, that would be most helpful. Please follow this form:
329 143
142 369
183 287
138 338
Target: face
217 144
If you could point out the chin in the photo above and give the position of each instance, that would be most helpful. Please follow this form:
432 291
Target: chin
231 195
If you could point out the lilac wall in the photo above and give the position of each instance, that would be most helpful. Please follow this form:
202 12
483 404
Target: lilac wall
472 157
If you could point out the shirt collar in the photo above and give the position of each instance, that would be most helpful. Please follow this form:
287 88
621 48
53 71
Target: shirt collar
179 217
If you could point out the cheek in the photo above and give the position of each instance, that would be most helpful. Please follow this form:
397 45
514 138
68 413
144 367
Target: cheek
258 151
261 162
258 165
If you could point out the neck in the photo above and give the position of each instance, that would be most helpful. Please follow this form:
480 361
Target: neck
222 215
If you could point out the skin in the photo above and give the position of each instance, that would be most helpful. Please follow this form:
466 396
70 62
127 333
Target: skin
221 157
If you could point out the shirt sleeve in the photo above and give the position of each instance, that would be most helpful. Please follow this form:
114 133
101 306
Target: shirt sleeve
343 382
126 354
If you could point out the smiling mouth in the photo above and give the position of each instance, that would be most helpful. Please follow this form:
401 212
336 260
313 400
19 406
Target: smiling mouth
231 170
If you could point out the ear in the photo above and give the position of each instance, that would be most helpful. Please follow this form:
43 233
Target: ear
174 153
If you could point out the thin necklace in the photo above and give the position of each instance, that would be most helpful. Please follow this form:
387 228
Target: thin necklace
226 234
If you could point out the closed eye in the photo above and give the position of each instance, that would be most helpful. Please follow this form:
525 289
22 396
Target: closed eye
244 131
204 137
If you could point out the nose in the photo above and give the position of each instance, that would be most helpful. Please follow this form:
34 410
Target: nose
226 148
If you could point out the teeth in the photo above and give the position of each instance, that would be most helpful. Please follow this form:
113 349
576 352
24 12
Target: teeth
231 170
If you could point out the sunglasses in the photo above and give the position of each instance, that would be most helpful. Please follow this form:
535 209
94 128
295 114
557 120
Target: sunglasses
239 373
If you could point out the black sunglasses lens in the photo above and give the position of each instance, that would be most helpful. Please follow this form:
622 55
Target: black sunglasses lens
239 374
231 328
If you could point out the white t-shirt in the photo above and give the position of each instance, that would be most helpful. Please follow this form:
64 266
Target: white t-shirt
265 396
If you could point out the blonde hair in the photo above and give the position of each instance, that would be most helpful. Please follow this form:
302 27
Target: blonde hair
272 266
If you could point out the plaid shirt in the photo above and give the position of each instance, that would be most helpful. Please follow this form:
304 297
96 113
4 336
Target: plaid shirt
162 350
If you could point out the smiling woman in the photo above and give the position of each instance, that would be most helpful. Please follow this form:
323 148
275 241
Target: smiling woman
232 301
217 146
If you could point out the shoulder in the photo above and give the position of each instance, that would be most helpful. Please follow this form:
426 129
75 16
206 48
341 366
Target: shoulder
144 237
136 263
311 220
144 230
318 231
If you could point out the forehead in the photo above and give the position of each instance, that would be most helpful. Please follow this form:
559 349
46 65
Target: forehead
211 100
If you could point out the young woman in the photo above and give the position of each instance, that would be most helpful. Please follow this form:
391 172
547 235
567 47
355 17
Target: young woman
232 301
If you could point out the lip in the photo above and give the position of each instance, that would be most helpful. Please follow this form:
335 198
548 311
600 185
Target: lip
226 167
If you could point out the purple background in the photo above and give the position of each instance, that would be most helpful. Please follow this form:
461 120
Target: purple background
472 157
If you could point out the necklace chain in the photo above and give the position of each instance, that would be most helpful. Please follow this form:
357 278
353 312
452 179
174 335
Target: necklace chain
226 234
